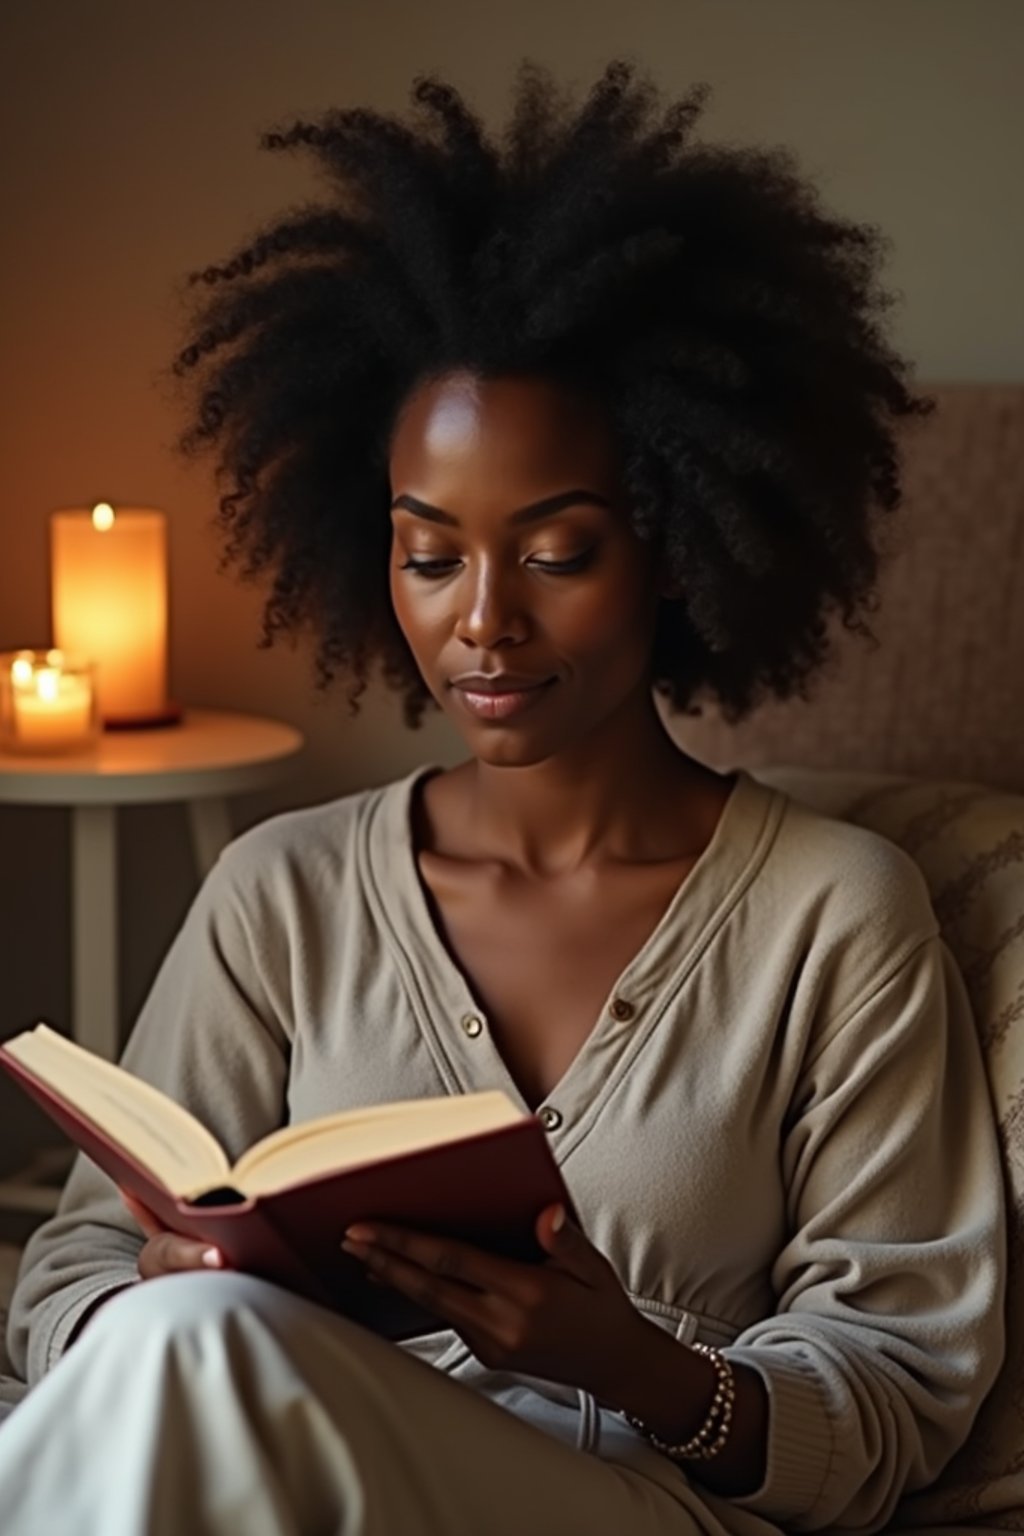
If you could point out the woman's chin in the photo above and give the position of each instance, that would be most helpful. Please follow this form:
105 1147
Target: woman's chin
506 748
507 754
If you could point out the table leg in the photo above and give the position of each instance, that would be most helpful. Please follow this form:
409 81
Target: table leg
95 1020
211 831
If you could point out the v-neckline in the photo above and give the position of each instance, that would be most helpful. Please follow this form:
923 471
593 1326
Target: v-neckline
697 904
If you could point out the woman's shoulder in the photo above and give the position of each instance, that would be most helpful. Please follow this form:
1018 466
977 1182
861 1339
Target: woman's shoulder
844 875
836 909
308 842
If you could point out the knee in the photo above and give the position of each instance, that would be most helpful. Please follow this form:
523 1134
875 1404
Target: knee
172 1304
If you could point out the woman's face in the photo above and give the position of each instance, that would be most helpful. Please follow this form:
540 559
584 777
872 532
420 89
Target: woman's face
521 588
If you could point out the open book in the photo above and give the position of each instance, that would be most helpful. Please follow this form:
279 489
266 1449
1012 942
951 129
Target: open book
469 1165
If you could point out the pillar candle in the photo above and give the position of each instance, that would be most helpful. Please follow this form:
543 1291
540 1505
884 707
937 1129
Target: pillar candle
109 594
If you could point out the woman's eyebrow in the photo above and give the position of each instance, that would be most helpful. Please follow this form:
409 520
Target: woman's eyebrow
530 514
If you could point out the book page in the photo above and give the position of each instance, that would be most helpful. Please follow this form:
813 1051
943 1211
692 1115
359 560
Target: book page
369 1135
154 1129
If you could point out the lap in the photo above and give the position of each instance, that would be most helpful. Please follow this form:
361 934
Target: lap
322 1394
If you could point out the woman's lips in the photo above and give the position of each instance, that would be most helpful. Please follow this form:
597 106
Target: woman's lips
499 706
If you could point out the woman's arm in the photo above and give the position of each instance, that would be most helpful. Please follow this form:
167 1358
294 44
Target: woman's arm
889 1327
670 1387
213 1034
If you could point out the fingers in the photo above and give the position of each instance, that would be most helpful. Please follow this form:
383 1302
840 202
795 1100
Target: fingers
570 1248
458 1304
168 1254
442 1257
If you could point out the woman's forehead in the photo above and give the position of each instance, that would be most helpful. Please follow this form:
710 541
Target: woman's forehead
505 425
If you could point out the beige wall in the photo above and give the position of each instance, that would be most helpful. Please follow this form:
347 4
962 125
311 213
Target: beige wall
130 156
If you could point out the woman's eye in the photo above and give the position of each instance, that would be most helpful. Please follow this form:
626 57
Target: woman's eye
429 568
433 569
565 567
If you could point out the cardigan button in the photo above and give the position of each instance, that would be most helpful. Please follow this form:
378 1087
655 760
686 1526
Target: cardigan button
550 1118
621 1009
472 1025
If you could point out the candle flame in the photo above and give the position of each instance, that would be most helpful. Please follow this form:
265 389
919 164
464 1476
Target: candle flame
102 516
48 683
21 671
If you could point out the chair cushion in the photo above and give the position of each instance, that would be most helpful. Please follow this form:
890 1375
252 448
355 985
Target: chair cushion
968 841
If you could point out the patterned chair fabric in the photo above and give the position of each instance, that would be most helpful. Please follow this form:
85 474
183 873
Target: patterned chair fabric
940 698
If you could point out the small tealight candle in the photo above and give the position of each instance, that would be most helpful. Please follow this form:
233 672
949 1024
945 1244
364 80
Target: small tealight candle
47 702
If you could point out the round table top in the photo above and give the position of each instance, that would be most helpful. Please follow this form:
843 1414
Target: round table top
208 753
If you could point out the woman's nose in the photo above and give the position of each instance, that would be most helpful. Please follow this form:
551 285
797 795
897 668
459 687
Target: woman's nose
491 611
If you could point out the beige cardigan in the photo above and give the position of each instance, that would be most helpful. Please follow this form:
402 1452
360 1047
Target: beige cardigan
788 1149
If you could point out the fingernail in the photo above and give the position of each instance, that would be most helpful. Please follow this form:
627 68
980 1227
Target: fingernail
361 1232
558 1219
211 1257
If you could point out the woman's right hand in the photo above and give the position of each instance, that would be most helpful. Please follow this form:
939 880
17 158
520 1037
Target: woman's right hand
165 1252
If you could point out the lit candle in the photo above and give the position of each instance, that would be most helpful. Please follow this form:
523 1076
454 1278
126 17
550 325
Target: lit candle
46 704
109 594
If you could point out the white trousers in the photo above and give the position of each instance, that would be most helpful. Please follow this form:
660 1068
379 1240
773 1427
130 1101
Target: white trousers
221 1405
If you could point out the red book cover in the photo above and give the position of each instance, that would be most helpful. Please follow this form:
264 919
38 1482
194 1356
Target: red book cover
487 1189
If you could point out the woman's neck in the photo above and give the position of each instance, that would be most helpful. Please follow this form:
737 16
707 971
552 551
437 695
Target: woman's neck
626 793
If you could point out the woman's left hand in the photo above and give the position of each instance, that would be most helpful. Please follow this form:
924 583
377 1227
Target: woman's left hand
567 1319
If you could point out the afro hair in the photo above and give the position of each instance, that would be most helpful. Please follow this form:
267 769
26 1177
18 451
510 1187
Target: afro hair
731 326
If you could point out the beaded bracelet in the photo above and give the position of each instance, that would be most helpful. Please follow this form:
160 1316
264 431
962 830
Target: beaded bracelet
719 1415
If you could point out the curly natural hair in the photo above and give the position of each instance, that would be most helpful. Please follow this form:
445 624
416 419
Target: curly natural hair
729 324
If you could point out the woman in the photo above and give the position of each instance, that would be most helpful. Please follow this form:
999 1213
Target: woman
544 431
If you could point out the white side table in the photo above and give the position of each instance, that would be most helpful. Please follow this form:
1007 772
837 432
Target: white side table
200 762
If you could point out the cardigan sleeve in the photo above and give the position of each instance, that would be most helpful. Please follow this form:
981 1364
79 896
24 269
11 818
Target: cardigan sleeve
212 1034
888 1330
